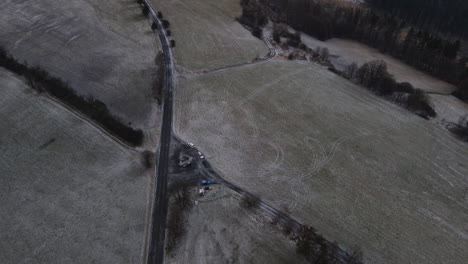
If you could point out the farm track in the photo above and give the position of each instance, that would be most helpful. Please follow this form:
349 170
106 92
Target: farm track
272 54
159 207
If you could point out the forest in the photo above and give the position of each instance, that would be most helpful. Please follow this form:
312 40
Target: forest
416 43
432 15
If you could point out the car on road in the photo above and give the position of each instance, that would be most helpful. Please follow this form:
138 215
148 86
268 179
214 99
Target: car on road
191 145
201 155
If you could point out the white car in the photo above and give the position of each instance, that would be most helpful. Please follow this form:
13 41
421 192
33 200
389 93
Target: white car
201 155
191 145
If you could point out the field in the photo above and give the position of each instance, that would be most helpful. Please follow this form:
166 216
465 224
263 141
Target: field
103 48
448 108
361 170
221 231
344 52
207 35
69 193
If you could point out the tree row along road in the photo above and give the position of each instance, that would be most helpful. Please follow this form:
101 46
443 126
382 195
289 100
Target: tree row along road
160 202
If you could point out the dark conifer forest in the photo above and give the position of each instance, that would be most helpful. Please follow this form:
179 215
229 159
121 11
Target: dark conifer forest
440 16
413 35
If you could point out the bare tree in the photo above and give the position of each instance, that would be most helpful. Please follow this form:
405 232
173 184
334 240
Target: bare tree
324 53
350 71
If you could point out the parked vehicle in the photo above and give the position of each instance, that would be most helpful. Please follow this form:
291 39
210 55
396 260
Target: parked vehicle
201 155
206 182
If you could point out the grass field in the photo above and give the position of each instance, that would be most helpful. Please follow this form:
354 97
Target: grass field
344 52
361 170
221 231
69 193
103 48
207 35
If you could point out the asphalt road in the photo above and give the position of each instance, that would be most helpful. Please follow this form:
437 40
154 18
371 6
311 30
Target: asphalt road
160 203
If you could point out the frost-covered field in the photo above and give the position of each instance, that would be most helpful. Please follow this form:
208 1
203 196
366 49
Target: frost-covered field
207 35
344 52
219 230
448 108
103 48
69 193
361 170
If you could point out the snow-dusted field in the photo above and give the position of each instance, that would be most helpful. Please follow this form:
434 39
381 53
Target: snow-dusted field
344 52
361 170
207 35
448 108
219 230
69 193
103 48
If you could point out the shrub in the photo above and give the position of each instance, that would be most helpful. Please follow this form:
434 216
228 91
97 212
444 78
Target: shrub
154 26
165 23
257 32
419 103
145 10
160 16
168 32
148 159
172 43
462 90
250 201
461 128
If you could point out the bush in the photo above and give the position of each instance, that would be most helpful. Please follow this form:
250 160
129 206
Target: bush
148 159
461 128
145 10
94 109
375 77
419 103
154 26
172 43
160 16
165 23
250 201
462 90
168 32
257 32
253 14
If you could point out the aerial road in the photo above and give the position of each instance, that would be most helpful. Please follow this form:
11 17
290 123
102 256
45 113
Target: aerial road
160 203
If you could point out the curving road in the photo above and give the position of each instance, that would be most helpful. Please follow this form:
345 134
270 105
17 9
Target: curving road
160 203
159 208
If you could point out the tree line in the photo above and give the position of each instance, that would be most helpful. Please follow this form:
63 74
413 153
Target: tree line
375 77
385 32
42 81
433 15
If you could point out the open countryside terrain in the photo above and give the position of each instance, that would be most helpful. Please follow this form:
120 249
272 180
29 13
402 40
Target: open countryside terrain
207 35
219 230
102 48
361 170
70 194
344 52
